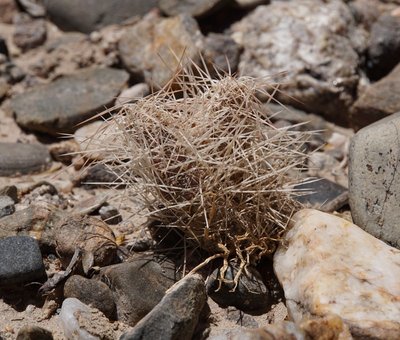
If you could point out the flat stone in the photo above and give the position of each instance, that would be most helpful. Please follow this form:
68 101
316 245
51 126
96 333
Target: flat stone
177 314
20 159
151 50
91 292
374 179
30 332
89 15
314 43
250 296
21 261
7 206
327 265
138 285
384 46
59 106
379 100
199 8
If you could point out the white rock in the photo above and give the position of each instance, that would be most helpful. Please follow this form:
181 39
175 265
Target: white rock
135 92
329 265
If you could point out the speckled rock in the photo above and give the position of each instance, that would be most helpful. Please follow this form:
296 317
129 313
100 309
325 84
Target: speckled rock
7 206
314 42
59 106
89 15
177 314
199 8
151 49
379 100
374 179
21 261
329 265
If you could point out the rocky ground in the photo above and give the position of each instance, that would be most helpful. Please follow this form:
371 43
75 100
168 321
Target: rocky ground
79 262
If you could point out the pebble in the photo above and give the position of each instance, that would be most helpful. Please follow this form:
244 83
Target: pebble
21 261
384 46
59 106
138 285
7 206
133 93
199 8
91 292
177 314
379 100
374 179
20 159
151 49
329 265
92 16
29 33
10 191
250 296
110 214
319 55
31 332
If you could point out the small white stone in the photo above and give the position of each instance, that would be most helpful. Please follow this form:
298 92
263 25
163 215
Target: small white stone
133 93
329 265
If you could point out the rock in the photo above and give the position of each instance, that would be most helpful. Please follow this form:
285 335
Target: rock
21 261
322 194
177 314
81 322
20 159
221 52
29 332
29 33
7 10
32 7
250 296
151 49
7 206
59 106
90 15
10 191
133 93
319 53
92 292
374 179
384 46
379 100
199 8
329 265
90 234
138 285
110 214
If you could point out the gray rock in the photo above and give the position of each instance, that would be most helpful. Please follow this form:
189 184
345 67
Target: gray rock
374 179
110 214
7 206
322 194
384 46
199 8
29 33
91 292
32 7
59 106
151 50
89 15
221 52
314 43
379 100
30 332
251 295
138 285
21 261
19 159
177 314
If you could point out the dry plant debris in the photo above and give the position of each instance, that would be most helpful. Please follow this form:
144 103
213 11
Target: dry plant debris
204 157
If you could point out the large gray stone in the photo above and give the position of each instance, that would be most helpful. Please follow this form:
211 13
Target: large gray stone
312 43
152 49
89 15
59 106
379 100
21 261
177 314
374 179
